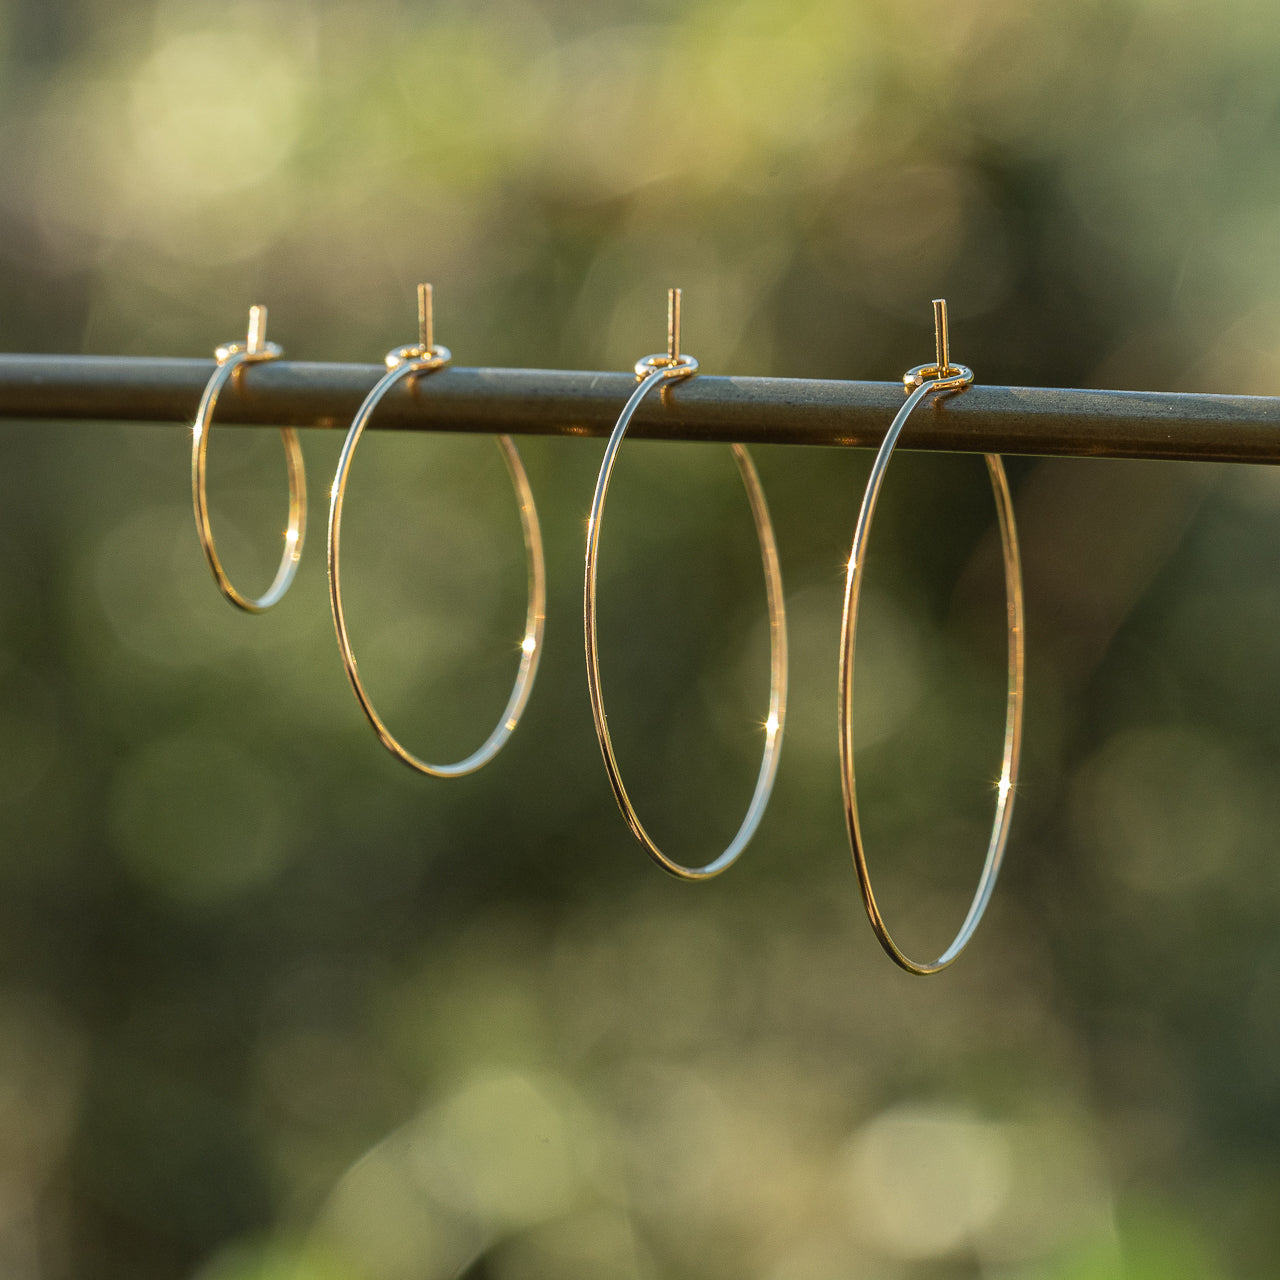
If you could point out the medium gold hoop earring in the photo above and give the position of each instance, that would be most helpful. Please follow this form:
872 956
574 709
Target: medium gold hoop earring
653 371
940 378
415 362
231 357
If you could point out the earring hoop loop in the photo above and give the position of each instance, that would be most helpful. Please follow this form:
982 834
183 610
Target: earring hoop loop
231 357
940 378
653 371
413 362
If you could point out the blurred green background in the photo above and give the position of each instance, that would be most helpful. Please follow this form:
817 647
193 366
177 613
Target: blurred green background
274 1008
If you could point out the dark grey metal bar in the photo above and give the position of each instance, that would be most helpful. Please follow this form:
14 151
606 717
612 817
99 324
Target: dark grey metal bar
1018 420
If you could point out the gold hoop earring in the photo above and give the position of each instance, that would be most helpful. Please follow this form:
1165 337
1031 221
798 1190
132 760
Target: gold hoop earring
940 378
414 362
653 371
231 357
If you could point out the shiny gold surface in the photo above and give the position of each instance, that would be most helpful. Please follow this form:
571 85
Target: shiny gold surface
231 357
407 363
653 371
936 379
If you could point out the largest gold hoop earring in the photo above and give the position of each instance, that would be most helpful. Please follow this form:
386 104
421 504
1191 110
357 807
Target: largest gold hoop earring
415 362
653 371
231 357
940 378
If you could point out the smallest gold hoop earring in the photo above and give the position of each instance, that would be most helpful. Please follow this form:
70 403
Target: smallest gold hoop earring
231 357
941 377
424 357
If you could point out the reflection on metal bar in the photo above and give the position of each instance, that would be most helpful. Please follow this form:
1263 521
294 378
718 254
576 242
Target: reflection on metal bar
984 419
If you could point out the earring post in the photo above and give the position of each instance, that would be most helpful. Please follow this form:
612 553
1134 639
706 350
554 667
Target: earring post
256 341
673 325
426 320
940 337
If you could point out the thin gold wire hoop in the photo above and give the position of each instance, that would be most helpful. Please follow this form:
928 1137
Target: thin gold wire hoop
412 362
231 357
939 378
653 371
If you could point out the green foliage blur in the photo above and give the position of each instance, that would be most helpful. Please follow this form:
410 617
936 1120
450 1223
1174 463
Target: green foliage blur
274 1008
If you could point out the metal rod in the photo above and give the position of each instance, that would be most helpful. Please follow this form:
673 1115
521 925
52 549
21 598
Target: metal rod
984 419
